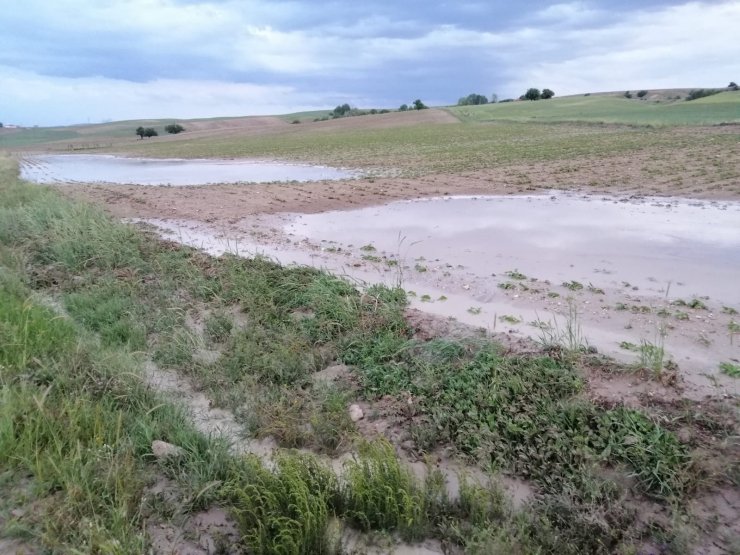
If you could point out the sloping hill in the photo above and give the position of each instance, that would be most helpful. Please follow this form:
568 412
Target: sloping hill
720 108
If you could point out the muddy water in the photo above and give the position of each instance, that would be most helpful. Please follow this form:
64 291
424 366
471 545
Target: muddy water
643 259
142 171
692 248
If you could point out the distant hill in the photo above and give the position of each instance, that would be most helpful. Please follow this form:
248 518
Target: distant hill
655 108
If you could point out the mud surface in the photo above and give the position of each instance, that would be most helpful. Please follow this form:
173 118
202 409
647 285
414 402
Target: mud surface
81 168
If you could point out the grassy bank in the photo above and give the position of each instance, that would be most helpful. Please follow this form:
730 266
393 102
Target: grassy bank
86 301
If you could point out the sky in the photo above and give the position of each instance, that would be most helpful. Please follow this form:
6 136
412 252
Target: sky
78 61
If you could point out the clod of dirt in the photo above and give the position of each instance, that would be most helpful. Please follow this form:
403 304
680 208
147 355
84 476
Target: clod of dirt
355 413
163 450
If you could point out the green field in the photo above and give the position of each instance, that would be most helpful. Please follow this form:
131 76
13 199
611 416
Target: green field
712 110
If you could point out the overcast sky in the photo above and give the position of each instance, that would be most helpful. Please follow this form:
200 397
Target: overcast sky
77 61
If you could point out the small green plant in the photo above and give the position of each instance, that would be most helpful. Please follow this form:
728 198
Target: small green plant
368 248
218 327
569 336
732 370
729 310
516 274
381 494
420 268
286 510
509 319
553 294
733 327
652 354
629 346
573 285
506 286
680 315
475 310
371 258
426 298
596 290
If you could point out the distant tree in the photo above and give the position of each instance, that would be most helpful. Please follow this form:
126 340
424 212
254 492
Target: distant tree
403 108
628 94
642 94
472 99
174 128
1 124
419 105
341 110
494 98
150 132
532 94
547 93
141 132
731 86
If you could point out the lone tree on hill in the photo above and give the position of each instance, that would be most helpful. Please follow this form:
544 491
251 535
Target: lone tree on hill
140 131
532 94
419 105
174 128
403 108
547 93
642 94
731 86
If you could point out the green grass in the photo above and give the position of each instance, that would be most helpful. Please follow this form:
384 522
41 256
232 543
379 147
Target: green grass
720 108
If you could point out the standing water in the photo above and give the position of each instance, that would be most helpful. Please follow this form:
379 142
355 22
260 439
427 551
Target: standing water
79 168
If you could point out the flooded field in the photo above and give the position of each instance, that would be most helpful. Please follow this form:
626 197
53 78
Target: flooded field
687 248
636 271
176 172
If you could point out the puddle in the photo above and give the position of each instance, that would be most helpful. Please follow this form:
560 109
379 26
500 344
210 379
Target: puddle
694 248
80 168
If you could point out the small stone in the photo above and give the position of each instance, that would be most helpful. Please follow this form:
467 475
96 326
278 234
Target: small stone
163 450
355 413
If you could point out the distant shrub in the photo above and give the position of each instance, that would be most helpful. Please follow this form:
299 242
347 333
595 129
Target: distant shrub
642 94
174 128
507 100
587 94
341 110
403 108
295 121
472 99
419 105
628 94
547 93
146 132
701 93
732 86
384 111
